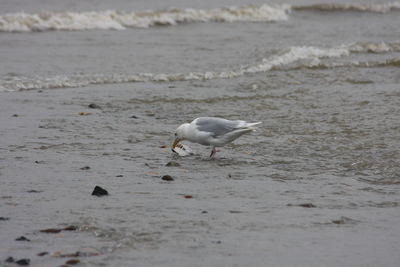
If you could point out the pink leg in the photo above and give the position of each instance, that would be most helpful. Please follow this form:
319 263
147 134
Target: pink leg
213 152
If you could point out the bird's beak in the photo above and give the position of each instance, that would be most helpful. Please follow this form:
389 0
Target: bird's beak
175 143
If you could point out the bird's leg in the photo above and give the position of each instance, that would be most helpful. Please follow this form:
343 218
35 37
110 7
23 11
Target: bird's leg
213 152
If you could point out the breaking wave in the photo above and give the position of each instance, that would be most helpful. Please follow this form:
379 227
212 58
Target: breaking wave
359 7
118 20
291 58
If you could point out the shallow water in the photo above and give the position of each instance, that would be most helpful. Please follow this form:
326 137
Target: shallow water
316 185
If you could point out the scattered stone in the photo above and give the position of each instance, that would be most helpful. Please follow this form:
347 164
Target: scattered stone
163 146
34 191
4 218
50 231
307 205
345 220
204 212
98 191
22 238
41 254
23 262
188 196
58 254
70 228
119 175
167 178
172 164
15 115
134 117
72 261
10 259
93 105
85 168
304 205
39 161
235 211
84 113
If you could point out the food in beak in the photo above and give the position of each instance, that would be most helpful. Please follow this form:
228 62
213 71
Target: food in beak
175 143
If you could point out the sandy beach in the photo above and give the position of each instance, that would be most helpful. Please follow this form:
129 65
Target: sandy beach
316 185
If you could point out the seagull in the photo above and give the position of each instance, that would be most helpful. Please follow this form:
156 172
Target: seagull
212 131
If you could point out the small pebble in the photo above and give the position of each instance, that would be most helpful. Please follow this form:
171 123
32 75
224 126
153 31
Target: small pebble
10 259
4 218
172 164
133 117
23 262
85 168
204 212
84 113
33 191
41 254
188 196
70 228
72 261
22 238
167 178
15 115
307 205
119 175
93 105
98 191
50 231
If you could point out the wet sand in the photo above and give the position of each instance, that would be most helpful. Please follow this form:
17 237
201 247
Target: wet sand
317 185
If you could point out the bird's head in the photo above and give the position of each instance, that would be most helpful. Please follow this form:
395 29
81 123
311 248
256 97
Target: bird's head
180 134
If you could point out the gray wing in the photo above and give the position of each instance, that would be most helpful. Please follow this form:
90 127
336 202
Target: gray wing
216 126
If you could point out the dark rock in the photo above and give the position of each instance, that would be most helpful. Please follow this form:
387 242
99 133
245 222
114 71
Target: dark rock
93 105
172 164
23 262
85 168
50 231
119 175
204 212
167 178
15 115
22 238
98 191
188 196
70 228
134 117
4 218
41 254
72 261
10 259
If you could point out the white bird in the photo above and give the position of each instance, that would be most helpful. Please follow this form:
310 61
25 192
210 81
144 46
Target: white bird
211 131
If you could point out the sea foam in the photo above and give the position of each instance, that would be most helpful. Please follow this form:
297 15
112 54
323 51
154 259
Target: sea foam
118 20
291 58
